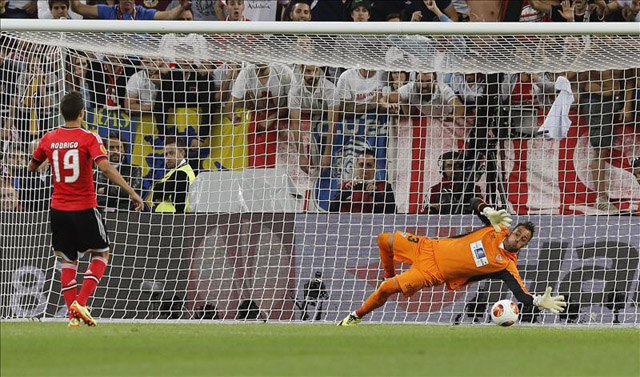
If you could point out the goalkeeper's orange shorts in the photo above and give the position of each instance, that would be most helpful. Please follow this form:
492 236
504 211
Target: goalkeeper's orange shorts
418 252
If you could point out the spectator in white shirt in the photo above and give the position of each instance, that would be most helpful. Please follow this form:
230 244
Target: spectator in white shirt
468 87
314 95
56 9
224 76
252 10
142 87
233 9
426 97
203 10
59 9
263 88
527 89
360 90
77 79
395 81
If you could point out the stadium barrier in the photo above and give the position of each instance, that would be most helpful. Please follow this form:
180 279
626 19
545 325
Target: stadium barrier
279 267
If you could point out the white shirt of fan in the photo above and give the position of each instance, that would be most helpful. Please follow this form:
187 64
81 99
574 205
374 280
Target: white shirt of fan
248 87
142 87
45 13
323 97
439 103
468 93
352 86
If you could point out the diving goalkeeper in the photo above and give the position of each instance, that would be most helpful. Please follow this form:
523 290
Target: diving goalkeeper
488 253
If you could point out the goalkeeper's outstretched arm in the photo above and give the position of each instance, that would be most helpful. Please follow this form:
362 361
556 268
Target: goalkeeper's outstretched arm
490 216
554 304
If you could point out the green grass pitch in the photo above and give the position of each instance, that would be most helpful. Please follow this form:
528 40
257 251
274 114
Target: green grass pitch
50 349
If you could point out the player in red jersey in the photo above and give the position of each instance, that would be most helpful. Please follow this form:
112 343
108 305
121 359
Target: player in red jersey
76 224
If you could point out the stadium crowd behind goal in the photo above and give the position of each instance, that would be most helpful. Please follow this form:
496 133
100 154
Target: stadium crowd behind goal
270 163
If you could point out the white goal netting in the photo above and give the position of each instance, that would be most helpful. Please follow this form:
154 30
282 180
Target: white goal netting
305 147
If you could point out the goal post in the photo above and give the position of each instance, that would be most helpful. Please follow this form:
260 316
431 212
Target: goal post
307 140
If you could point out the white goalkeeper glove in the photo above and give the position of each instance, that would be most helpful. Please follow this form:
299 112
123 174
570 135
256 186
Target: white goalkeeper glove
497 218
553 304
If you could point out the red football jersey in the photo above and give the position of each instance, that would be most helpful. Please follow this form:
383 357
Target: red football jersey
71 153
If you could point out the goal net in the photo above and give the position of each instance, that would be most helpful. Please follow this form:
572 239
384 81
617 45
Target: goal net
306 144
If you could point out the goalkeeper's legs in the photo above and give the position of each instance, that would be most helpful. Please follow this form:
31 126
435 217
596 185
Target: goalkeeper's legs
379 297
385 245
397 247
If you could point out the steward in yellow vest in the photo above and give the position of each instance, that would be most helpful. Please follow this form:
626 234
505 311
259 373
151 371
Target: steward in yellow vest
171 193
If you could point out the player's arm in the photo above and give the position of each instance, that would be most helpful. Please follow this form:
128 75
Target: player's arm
390 102
451 12
511 277
238 94
543 6
515 285
112 174
132 102
478 205
343 196
490 216
34 165
458 108
173 14
332 119
350 107
84 9
38 157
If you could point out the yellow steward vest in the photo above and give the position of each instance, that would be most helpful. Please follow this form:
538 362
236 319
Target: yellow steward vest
167 205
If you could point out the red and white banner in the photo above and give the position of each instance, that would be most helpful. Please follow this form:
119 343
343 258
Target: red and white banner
542 175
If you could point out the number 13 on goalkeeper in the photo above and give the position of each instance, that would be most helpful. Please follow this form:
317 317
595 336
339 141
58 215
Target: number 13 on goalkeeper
488 253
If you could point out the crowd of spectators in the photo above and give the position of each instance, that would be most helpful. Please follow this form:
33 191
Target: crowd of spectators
207 93
307 10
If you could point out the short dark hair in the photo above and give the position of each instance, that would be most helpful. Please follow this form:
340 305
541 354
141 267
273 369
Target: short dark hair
361 3
393 15
71 106
118 136
293 3
451 155
51 2
369 152
528 225
448 156
178 141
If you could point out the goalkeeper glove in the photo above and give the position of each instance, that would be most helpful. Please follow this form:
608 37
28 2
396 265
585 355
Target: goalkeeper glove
497 217
553 304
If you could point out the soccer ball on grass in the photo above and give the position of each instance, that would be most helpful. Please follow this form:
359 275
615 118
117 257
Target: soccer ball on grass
504 313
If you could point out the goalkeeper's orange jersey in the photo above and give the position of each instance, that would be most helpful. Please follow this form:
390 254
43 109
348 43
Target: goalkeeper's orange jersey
476 256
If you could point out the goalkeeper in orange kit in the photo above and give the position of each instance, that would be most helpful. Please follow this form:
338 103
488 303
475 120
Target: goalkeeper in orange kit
488 253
